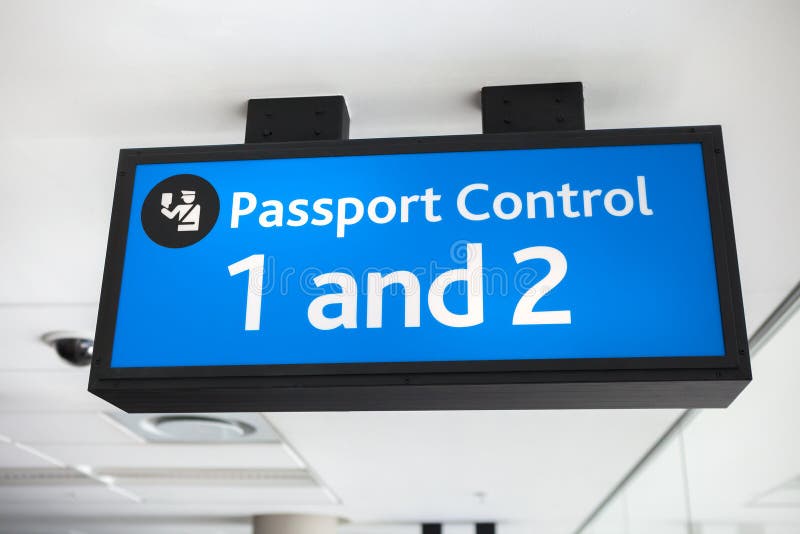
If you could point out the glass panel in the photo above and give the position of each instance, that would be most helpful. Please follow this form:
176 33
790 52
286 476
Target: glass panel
728 471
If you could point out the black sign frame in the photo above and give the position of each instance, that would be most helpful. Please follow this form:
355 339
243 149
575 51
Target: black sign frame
659 382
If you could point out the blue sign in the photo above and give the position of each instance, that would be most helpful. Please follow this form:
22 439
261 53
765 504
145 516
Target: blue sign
523 254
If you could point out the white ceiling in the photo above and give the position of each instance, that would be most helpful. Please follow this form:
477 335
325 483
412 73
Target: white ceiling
81 79
739 467
752 448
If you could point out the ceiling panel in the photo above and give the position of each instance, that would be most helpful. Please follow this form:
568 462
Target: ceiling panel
472 465
41 495
128 526
12 456
48 391
61 428
173 455
252 495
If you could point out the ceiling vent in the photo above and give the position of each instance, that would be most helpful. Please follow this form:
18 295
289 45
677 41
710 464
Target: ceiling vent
198 427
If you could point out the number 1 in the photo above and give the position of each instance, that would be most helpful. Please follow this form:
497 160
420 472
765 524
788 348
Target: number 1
254 265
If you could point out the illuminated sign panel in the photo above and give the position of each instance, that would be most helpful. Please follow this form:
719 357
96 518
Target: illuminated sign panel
421 260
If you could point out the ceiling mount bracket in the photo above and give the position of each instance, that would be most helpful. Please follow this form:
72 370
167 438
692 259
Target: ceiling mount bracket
533 107
307 118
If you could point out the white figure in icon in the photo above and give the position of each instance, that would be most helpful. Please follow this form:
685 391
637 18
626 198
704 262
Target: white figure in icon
188 213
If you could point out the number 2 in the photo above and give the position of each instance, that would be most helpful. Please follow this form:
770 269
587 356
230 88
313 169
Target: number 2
523 313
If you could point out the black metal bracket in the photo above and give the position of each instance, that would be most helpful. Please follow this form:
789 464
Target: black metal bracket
532 108
436 528
505 108
297 119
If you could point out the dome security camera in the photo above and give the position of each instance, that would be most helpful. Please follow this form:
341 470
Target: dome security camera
74 348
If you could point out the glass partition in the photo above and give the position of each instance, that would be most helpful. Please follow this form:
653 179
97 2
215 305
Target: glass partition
724 471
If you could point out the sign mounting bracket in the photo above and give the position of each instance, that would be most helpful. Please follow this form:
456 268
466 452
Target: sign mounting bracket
308 118
532 108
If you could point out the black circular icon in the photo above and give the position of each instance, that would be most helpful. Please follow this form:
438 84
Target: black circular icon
180 211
